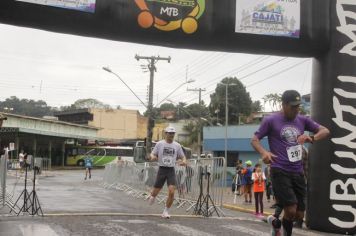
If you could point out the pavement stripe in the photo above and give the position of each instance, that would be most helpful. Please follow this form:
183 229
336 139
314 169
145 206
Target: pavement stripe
115 229
36 229
243 209
246 230
114 214
184 230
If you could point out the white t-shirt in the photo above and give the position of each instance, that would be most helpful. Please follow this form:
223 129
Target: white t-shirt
167 153
21 157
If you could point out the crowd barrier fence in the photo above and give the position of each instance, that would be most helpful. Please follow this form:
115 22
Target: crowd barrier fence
137 180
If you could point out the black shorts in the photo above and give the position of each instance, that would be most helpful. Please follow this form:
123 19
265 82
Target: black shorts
289 188
165 173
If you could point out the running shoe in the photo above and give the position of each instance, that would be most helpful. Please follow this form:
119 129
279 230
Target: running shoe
276 225
298 224
165 214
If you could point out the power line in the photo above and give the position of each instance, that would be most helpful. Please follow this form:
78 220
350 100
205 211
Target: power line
280 72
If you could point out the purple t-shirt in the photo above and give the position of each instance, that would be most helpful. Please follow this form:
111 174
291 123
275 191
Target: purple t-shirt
282 136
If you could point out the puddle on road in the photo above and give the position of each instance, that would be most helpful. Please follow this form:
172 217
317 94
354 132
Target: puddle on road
37 230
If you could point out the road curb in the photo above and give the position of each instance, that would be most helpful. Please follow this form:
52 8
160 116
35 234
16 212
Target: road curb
241 209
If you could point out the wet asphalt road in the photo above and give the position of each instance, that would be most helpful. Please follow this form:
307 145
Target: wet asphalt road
73 206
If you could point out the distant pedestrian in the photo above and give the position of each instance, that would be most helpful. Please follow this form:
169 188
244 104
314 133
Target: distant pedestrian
239 176
22 159
166 152
247 181
88 163
258 178
269 191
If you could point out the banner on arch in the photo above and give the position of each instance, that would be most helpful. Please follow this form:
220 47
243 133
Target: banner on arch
268 17
79 5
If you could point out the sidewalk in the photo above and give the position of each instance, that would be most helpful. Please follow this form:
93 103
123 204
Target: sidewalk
240 205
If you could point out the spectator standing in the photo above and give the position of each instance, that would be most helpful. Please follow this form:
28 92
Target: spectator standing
239 176
269 191
247 180
258 178
21 159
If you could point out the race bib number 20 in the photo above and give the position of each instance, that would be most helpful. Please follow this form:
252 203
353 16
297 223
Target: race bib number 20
294 153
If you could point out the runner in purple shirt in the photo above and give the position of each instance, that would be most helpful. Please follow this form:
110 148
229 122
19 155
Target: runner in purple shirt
285 132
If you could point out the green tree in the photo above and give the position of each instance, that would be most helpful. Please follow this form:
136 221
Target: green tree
239 101
86 103
274 100
167 107
256 106
192 129
197 110
26 107
181 114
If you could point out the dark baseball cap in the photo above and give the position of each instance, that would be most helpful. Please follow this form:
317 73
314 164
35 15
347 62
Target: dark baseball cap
291 97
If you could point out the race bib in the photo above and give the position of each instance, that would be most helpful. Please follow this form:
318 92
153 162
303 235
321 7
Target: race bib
167 161
294 153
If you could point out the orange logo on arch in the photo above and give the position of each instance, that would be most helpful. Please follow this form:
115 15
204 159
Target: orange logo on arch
168 15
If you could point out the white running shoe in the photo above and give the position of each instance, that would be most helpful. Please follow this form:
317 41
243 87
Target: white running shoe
151 200
276 225
165 214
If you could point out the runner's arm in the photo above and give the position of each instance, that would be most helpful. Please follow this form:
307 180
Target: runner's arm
321 133
182 161
153 157
267 156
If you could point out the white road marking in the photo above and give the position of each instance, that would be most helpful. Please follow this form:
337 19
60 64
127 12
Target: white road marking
246 230
36 229
115 229
184 230
132 221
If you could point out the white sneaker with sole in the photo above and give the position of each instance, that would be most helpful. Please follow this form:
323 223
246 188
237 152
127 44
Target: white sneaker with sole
165 214
276 225
151 200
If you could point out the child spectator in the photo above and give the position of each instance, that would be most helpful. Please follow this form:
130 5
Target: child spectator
247 181
258 178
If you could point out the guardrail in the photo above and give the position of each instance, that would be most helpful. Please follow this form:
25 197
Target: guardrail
137 180
39 163
6 199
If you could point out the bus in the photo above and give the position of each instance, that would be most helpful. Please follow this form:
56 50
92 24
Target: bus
101 154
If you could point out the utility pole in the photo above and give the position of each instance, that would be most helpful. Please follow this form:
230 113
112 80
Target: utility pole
150 124
199 123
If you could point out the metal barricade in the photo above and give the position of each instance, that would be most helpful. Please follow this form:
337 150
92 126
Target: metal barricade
3 170
13 164
6 199
42 164
137 180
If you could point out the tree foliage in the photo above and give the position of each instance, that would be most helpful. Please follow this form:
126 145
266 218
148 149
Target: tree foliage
86 103
239 101
274 100
26 107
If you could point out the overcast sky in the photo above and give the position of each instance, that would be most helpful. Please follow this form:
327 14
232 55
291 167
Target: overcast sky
60 69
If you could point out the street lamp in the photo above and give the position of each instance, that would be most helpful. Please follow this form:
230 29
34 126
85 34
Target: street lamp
226 124
204 119
107 69
186 82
